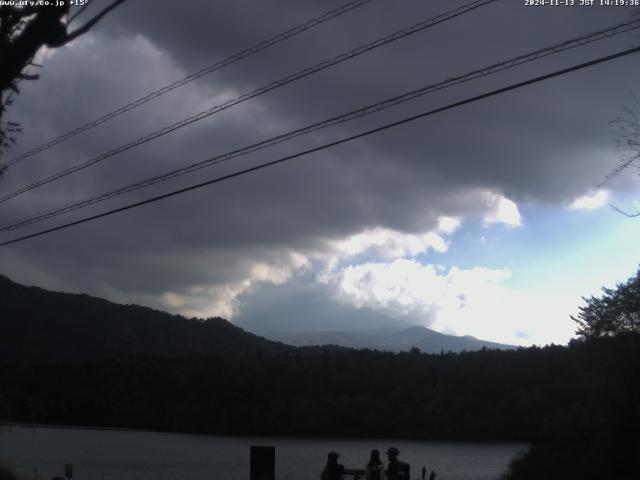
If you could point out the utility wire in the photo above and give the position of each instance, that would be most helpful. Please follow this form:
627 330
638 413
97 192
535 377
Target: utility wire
367 110
450 106
309 24
259 91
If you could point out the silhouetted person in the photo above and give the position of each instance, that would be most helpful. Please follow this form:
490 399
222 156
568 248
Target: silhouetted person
432 475
424 473
332 470
374 469
396 470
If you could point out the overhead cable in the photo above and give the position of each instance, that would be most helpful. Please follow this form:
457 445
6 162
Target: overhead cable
309 24
387 126
259 91
352 115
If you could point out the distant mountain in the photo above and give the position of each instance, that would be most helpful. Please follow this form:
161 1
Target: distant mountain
40 325
304 307
304 314
389 338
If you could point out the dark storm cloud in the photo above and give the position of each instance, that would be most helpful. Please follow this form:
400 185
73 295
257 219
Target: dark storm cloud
548 143
520 135
304 306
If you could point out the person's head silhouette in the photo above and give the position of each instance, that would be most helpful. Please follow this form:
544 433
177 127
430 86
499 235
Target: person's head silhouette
375 456
392 453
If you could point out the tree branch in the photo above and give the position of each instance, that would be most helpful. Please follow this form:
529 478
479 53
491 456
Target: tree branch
29 76
87 26
77 13
626 214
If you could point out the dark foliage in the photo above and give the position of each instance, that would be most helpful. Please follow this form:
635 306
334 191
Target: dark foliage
487 395
6 473
597 437
24 29
616 311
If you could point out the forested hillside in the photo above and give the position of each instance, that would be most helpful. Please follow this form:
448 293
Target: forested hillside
487 395
39 325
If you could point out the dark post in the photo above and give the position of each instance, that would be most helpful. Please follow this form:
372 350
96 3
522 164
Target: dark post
263 463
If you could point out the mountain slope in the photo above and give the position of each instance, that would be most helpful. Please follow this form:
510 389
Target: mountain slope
401 339
303 309
40 325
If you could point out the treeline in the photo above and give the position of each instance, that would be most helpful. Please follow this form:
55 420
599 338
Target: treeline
591 389
596 435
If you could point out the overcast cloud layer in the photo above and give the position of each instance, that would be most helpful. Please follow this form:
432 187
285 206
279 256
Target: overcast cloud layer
359 221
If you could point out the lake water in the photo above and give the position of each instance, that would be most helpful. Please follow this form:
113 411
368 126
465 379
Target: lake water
40 454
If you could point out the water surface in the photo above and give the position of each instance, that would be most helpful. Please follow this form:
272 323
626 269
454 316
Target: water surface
40 454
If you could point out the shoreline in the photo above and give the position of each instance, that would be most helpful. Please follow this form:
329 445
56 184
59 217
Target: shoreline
34 426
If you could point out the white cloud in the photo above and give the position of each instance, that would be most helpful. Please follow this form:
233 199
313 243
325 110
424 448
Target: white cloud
278 274
383 243
222 300
472 301
203 302
591 201
389 244
402 286
503 211
173 300
449 224
495 312
409 288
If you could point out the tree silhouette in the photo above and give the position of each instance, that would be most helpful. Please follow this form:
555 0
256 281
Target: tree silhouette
617 311
626 136
23 31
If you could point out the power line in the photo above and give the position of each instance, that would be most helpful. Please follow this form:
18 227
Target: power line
314 22
259 91
367 110
450 106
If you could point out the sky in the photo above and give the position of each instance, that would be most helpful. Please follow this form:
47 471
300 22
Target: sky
490 219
